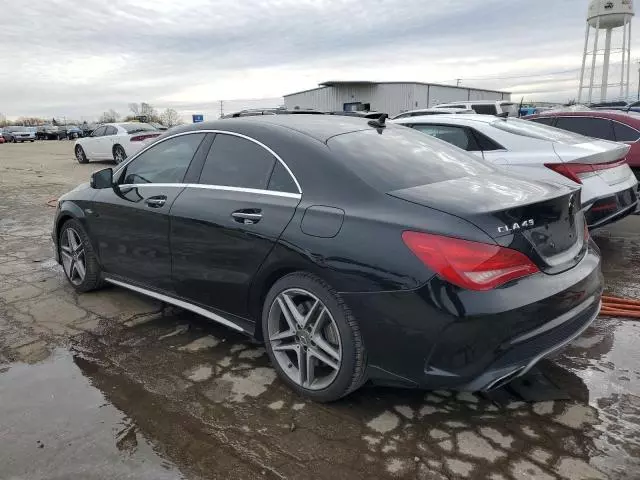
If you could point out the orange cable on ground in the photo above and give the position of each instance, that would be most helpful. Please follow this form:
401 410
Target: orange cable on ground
620 307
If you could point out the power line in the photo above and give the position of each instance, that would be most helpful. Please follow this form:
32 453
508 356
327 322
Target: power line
532 75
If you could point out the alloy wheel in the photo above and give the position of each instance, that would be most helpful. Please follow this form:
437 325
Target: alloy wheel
305 339
80 156
119 155
73 256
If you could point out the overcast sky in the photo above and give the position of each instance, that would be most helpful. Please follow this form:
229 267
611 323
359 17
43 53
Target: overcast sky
77 59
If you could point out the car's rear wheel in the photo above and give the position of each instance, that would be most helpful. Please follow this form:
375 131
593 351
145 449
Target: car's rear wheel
312 338
119 155
79 260
80 155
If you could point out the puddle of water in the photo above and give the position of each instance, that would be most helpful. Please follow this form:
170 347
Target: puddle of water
55 424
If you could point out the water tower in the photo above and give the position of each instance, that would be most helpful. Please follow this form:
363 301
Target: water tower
607 15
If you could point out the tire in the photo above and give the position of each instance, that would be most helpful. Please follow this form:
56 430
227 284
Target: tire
32 141
80 155
119 155
70 256
14 140
339 324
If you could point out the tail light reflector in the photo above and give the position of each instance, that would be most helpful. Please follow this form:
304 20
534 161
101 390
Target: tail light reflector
579 171
141 138
470 265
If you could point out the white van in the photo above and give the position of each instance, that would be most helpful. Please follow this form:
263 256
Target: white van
485 107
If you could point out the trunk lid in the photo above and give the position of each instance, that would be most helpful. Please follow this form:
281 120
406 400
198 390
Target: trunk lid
597 152
542 220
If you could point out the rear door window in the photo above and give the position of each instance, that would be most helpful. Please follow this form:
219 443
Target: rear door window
458 136
237 162
281 180
111 130
589 127
400 158
625 133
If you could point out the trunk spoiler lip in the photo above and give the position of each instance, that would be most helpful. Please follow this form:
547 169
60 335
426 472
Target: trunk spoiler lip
619 151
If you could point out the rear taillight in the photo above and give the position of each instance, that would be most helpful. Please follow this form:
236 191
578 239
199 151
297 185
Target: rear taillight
579 171
470 265
142 138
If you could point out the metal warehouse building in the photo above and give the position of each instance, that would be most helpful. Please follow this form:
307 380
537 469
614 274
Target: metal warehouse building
388 97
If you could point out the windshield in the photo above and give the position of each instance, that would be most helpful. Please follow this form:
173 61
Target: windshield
400 158
530 129
138 127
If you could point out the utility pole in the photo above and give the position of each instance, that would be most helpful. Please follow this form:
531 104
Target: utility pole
458 81
221 109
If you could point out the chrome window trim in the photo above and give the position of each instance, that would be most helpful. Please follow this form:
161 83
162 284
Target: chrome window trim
226 188
179 303
223 132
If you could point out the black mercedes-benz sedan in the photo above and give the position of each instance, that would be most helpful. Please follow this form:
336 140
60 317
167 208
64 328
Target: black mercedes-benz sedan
356 251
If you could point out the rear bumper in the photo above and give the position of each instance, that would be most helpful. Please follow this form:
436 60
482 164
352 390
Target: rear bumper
605 210
441 336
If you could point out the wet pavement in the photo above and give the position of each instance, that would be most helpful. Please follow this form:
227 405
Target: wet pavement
111 385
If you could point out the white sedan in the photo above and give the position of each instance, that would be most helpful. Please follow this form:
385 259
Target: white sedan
609 187
114 141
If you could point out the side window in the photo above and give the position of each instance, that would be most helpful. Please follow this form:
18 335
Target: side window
166 162
281 180
237 162
111 130
590 127
99 132
485 109
543 120
458 136
485 143
625 133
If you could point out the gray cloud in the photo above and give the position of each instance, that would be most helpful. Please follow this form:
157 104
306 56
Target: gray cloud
82 58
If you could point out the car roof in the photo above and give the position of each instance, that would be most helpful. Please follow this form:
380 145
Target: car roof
623 117
319 127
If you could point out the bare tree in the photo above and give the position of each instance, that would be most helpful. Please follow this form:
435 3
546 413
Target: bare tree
170 118
3 120
144 111
110 116
135 109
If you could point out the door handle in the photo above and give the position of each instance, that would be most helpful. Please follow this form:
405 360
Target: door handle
248 216
156 202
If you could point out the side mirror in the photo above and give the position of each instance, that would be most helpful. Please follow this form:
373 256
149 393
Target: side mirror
102 179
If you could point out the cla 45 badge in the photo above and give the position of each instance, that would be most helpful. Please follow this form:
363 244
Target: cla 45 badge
516 226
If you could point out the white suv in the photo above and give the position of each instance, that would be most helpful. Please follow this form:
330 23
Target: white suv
485 107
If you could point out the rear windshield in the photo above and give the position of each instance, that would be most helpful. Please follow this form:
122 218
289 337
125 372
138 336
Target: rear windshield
527 128
400 158
138 127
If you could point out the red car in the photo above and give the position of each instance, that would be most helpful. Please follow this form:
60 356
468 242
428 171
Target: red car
604 124
1 139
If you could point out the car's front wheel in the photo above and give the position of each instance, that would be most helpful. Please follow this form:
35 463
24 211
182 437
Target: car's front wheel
80 155
312 338
79 260
119 155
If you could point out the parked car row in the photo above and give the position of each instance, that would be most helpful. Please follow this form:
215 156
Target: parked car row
18 134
